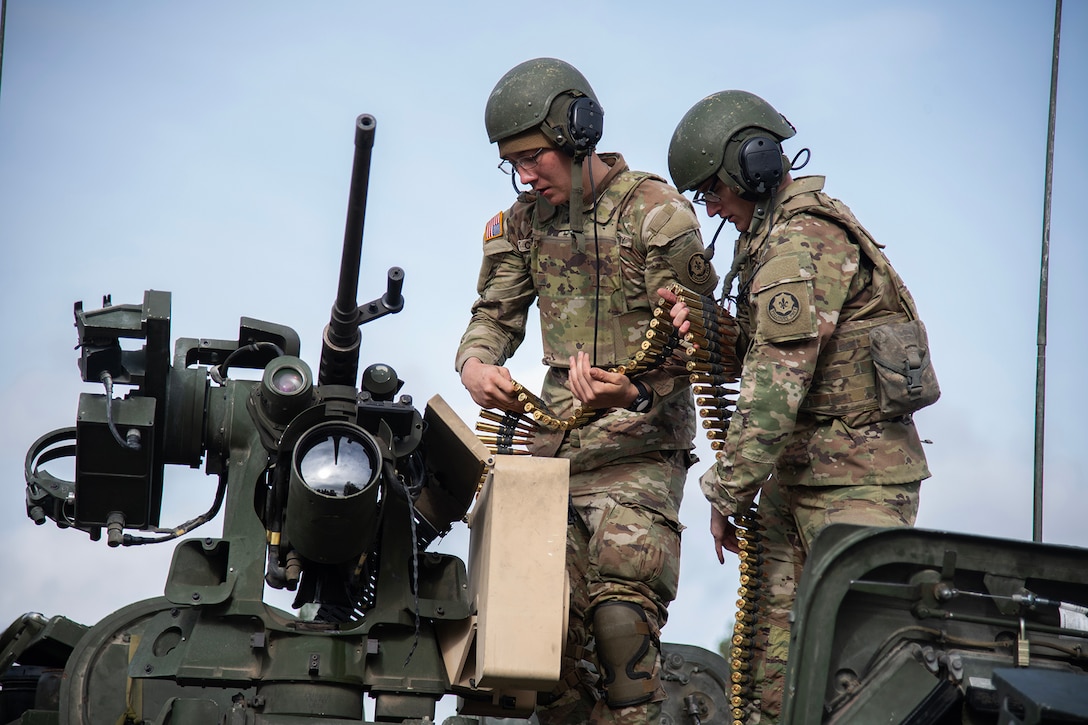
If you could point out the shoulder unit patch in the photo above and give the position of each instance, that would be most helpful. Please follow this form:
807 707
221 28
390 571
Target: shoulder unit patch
699 269
783 308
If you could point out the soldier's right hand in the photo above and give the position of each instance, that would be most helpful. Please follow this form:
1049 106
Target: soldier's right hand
490 386
679 311
724 533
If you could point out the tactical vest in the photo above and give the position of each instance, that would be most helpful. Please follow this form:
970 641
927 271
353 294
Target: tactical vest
844 383
581 292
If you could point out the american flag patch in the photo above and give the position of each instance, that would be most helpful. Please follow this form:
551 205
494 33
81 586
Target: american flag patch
493 228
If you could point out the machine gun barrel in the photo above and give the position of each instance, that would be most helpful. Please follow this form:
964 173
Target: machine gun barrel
340 345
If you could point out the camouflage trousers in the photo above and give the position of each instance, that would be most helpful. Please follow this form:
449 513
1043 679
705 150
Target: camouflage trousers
792 516
620 548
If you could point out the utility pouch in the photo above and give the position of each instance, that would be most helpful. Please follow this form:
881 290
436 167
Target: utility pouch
905 379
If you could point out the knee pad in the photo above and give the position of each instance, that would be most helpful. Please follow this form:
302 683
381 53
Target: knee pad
623 642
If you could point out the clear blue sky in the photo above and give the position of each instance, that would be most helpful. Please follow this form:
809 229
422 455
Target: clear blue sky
205 148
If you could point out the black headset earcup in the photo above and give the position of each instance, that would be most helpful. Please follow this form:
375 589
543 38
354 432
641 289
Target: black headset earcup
761 164
585 121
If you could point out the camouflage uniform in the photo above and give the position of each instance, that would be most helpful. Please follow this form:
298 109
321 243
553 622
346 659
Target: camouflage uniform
804 431
627 469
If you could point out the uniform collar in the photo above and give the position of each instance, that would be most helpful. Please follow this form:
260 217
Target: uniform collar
800 185
616 166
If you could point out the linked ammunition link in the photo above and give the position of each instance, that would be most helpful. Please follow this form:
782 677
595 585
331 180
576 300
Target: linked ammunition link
507 433
538 410
750 538
712 361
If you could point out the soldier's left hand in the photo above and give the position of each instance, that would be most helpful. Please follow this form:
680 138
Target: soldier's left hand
598 388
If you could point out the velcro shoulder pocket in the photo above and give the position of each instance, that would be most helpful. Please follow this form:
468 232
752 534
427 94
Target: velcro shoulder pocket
670 222
785 305
494 252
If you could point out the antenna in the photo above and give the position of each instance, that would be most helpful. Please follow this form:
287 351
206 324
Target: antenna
1040 365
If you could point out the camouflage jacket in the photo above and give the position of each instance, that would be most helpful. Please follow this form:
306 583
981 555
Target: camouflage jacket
647 236
812 263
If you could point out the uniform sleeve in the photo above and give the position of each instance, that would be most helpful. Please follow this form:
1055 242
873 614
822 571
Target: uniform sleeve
674 249
506 291
674 253
797 293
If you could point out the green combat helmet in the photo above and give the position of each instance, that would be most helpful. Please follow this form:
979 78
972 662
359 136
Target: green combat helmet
726 134
545 95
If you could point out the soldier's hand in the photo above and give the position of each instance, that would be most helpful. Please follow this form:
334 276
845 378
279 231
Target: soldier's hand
598 388
679 312
490 386
724 533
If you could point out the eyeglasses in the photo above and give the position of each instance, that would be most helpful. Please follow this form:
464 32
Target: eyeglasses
706 197
526 163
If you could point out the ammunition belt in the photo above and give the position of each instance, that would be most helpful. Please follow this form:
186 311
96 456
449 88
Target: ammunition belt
713 366
712 362
707 352
746 631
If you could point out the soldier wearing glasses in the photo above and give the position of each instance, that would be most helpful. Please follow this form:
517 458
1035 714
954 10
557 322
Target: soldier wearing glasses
591 241
817 432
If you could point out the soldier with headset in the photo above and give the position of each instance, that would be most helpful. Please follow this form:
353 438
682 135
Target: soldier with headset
835 361
591 242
